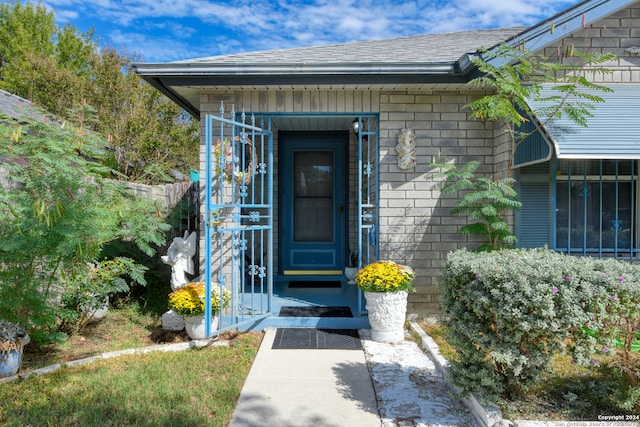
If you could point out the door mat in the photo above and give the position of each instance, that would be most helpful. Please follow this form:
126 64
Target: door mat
301 284
316 339
316 311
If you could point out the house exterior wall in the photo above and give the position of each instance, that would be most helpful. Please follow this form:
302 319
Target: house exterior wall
614 34
415 225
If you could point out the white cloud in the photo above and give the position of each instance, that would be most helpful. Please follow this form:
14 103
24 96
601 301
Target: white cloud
179 29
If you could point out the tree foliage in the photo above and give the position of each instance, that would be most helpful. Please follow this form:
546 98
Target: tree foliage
483 198
58 211
519 78
61 69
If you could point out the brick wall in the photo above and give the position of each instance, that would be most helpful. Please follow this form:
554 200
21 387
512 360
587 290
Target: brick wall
611 35
415 224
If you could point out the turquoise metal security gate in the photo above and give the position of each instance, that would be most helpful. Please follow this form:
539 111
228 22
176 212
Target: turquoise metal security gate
368 183
238 220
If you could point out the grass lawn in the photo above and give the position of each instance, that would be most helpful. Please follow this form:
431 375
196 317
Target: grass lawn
568 393
185 388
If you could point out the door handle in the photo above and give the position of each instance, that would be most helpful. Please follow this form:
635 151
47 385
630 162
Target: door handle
341 209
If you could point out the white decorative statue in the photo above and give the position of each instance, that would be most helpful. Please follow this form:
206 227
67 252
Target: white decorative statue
179 257
406 149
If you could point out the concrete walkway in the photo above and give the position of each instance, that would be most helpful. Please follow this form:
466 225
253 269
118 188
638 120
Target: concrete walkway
302 388
384 385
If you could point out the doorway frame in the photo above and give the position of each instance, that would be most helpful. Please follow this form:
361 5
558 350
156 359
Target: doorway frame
338 142
363 160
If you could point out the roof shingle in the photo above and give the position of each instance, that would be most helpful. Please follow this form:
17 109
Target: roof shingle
424 49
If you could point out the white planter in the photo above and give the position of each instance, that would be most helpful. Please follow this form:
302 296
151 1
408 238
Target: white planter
387 314
350 273
195 326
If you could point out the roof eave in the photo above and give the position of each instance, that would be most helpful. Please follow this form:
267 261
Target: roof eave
168 91
167 76
295 69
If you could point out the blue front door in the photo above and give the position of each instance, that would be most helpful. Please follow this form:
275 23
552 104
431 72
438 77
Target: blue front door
313 202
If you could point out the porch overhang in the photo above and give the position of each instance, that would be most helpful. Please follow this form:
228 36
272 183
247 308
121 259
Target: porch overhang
183 81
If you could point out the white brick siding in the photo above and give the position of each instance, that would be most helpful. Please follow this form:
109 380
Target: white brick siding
611 35
415 225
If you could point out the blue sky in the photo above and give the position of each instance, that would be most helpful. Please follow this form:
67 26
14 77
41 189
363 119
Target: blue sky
170 30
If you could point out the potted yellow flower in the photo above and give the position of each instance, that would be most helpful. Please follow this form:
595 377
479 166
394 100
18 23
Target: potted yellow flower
386 285
189 301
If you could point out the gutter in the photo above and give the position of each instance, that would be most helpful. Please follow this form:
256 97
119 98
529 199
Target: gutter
270 69
168 77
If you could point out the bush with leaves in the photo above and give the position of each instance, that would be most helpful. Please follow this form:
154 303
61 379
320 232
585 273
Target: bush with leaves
58 208
618 314
483 198
510 311
57 68
87 290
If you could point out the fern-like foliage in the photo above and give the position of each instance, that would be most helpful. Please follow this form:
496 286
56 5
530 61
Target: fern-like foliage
59 206
519 79
482 198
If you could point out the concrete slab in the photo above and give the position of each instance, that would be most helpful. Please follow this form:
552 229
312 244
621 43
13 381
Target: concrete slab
301 388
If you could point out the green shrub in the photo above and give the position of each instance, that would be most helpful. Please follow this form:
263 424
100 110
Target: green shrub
510 311
89 289
487 201
57 212
618 311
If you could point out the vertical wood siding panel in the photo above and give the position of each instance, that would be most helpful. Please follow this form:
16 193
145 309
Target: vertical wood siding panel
288 103
306 101
272 104
263 103
280 101
348 101
297 101
323 96
332 101
357 101
366 101
254 103
340 101
375 100
314 101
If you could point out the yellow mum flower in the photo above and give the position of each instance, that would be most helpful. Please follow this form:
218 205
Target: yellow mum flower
189 299
385 276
